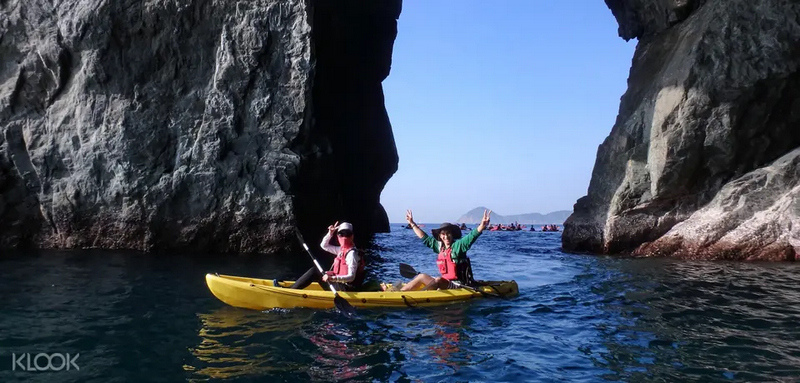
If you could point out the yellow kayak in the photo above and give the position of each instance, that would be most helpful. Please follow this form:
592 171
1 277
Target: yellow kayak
262 294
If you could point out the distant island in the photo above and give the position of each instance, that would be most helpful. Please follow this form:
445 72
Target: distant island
557 217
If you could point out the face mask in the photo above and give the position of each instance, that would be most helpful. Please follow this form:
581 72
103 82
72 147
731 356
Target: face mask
345 241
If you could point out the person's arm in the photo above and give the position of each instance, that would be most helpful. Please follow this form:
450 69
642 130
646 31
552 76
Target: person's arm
431 242
326 240
463 244
414 226
427 240
352 267
485 220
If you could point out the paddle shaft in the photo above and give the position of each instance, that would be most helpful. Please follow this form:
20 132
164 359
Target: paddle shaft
340 303
318 267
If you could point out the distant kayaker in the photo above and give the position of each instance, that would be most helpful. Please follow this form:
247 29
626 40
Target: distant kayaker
453 263
347 272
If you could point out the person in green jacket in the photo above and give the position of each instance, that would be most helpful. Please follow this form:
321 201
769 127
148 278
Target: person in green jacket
453 263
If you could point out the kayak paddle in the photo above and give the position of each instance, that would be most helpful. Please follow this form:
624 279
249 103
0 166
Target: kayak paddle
408 271
340 303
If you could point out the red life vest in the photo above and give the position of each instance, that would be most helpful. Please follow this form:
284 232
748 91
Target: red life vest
446 265
340 265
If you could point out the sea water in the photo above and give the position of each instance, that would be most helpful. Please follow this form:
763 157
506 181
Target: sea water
132 317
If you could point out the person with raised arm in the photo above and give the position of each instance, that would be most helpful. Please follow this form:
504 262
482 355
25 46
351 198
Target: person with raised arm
452 260
347 271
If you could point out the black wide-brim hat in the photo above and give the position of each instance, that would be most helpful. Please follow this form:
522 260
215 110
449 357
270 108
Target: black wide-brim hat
455 231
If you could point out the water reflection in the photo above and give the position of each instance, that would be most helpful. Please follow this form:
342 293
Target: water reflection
449 339
449 347
335 351
441 340
237 342
350 350
294 345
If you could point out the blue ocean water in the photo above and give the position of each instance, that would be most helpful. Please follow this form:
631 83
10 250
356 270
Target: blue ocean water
134 317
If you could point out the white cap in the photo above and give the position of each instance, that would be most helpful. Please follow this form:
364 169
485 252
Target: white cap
345 226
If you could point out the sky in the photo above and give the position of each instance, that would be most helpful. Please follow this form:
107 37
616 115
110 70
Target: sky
500 104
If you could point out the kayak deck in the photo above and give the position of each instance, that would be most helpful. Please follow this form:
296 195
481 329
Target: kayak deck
263 294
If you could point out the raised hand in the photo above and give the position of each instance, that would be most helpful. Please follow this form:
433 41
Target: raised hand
485 220
417 230
486 215
409 217
332 228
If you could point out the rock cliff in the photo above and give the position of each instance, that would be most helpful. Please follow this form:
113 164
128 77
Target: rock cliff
192 125
703 160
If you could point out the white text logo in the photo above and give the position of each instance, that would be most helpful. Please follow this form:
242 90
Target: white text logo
44 362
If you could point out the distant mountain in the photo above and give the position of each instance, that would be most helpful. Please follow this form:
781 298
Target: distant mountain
557 217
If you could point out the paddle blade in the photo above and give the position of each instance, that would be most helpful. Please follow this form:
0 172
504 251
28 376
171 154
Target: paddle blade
407 271
344 306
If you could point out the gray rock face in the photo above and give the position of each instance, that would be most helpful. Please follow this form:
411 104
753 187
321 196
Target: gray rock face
190 125
711 115
754 217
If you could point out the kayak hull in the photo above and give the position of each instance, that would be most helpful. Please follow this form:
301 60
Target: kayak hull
263 294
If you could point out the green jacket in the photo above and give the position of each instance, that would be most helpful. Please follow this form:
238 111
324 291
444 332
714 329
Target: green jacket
460 246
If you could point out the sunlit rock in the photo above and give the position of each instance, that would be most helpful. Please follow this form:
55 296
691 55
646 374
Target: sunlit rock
713 98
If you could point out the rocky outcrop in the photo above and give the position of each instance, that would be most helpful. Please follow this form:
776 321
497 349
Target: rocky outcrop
754 217
702 160
191 125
